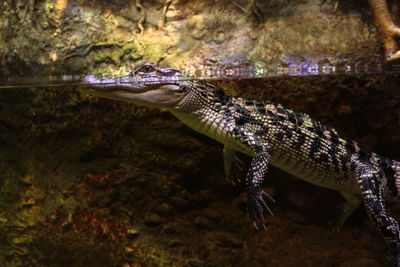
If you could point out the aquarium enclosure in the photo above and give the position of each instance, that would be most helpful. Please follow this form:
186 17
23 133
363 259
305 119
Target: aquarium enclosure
91 181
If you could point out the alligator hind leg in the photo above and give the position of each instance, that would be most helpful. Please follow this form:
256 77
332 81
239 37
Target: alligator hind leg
352 203
233 165
372 184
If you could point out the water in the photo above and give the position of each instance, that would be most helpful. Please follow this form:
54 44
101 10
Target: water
214 71
111 182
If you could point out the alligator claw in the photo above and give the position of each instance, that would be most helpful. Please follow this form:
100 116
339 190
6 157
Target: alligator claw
265 206
234 179
256 226
258 209
239 163
267 196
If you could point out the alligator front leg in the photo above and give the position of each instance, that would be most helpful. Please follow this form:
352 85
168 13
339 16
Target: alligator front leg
372 184
257 206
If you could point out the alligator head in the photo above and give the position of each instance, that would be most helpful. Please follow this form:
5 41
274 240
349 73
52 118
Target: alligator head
147 85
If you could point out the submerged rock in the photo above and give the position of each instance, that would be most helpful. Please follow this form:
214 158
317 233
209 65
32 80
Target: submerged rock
365 262
132 233
152 219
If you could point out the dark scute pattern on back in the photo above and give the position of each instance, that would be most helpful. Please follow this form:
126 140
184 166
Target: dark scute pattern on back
222 97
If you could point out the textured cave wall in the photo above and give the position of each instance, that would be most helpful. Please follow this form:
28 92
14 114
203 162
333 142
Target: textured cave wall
93 182
100 37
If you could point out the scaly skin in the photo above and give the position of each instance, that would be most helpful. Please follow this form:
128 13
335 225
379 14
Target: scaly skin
271 134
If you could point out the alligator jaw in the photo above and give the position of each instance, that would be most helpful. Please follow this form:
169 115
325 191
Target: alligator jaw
150 91
110 85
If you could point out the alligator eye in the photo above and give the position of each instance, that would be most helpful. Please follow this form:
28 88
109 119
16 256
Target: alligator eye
146 69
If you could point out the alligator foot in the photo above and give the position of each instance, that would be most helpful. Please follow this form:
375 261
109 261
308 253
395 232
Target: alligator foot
258 209
235 178
388 30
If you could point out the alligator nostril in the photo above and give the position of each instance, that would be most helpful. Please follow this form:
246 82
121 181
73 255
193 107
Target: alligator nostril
90 79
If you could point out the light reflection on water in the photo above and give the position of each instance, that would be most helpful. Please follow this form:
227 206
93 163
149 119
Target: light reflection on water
214 71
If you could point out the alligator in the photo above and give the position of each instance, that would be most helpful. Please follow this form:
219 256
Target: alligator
271 134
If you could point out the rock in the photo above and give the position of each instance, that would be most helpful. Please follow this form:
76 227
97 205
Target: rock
365 262
227 240
132 233
377 118
96 181
27 179
193 263
152 219
344 110
311 101
197 26
67 222
28 202
176 242
253 35
297 218
213 214
203 197
129 250
179 203
369 142
122 22
125 196
219 37
202 223
300 200
105 201
164 209
171 228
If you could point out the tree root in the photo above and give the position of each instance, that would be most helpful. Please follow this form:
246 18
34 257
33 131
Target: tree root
142 19
390 33
163 19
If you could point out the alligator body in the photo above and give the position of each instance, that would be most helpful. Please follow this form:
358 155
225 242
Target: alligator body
270 134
